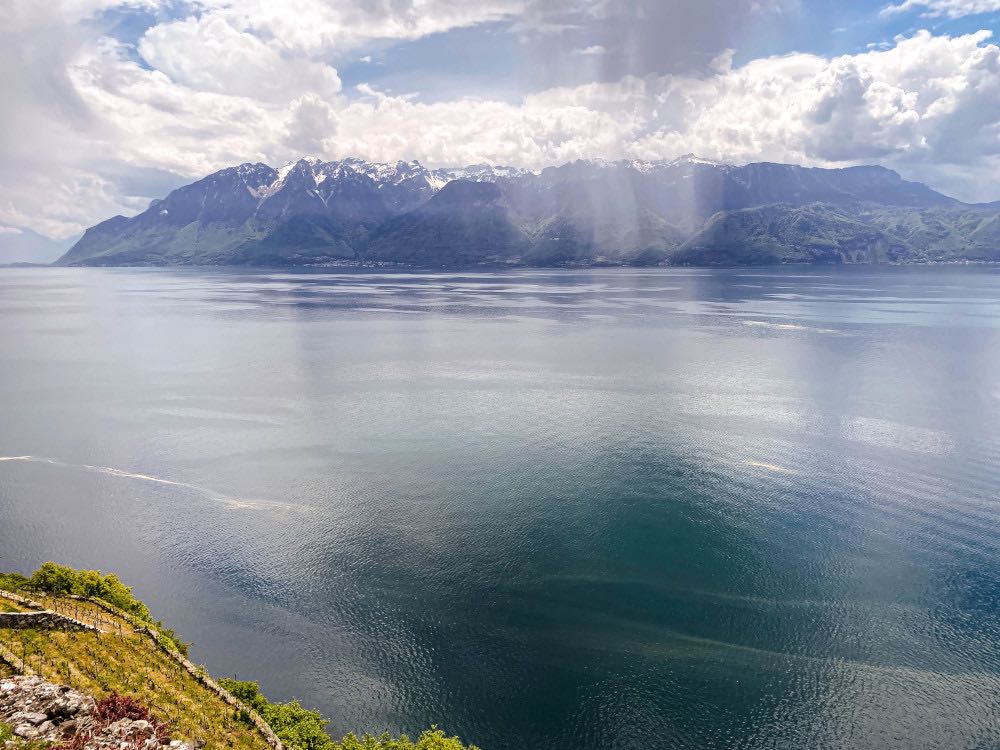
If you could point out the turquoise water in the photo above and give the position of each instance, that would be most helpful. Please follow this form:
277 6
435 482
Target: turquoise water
542 509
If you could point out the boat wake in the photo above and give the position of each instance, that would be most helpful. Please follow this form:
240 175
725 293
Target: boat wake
770 467
788 326
229 500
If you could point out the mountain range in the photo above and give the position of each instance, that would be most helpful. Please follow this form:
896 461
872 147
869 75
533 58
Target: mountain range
19 245
687 211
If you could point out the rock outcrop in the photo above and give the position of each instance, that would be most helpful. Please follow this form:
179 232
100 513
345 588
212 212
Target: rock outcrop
39 710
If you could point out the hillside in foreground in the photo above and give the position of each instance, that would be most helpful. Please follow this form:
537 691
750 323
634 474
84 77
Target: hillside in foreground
687 211
118 653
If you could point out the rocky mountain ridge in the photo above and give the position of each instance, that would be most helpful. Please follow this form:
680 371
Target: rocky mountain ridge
689 211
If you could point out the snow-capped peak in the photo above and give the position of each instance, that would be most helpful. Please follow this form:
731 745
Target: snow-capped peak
640 165
693 159
283 172
385 174
480 173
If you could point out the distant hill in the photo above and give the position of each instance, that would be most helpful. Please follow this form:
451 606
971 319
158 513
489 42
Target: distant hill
26 246
687 211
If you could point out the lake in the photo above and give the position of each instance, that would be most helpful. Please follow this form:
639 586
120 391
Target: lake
542 509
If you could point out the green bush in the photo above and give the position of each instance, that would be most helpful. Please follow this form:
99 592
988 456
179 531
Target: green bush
305 730
52 578
295 726
12 581
432 739
61 580
170 639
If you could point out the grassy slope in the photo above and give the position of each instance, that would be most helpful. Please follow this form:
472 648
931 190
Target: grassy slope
791 234
124 661
130 664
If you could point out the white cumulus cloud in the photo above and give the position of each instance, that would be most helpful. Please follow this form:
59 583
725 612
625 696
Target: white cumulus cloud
94 126
208 54
317 26
949 8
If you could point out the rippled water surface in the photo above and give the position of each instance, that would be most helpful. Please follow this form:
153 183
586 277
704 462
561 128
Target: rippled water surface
547 510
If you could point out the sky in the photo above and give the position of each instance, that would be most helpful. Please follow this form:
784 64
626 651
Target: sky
110 103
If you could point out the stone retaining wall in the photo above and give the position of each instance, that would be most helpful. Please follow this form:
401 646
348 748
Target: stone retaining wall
6 655
199 673
143 628
44 620
17 599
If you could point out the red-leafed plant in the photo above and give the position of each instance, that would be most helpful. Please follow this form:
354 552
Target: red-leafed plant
77 742
114 707
111 709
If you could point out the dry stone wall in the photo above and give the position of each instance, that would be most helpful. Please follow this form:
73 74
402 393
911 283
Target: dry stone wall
43 620
53 619
199 673
18 599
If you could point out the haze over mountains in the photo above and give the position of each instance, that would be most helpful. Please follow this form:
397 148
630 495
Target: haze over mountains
687 211
27 246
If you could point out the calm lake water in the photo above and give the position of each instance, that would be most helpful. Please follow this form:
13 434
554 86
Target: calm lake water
542 509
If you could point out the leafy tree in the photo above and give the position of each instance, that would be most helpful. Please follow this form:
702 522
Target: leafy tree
52 578
294 725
